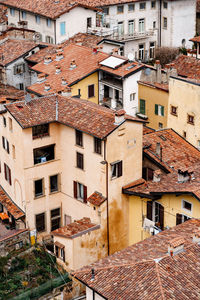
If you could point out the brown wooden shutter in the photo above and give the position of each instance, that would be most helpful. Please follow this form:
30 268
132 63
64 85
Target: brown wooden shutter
8 149
120 168
85 194
9 171
5 172
161 216
178 219
149 210
75 189
3 142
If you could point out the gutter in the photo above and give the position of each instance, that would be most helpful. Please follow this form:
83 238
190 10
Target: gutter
107 203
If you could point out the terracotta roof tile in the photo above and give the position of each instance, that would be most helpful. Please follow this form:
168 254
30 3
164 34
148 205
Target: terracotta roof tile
176 242
73 112
96 199
77 227
48 8
147 130
187 67
146 271
13 209
160 86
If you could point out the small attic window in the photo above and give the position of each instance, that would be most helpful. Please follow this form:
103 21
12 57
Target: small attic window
19 106
162 137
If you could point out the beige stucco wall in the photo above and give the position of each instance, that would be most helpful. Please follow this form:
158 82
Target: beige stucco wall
186 96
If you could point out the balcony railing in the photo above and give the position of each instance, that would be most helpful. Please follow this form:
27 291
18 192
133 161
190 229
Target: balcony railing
112 103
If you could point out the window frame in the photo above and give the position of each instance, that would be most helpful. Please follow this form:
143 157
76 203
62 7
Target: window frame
76 194
165 23
48 22
78 138
37 19
165 4
118 171
56 217
131 5
106 11
24 15
185 209
175 108
97 145
143 112
189 117
80 163
44 225
93 94
118 11
7 174
159 110
10 124
12 11
42 194
37 128
140 4
153 2
63 28
40 148
58 184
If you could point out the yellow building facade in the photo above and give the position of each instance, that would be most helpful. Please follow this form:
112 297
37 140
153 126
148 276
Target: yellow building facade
153 102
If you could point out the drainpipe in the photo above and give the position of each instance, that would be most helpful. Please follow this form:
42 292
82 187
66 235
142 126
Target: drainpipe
107 204
160 21
55 32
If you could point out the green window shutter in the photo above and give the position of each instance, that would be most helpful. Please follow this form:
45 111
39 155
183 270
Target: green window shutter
156 109
142 106
162 110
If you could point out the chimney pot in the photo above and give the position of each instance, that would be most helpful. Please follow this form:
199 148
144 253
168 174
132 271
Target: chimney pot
119 116
196 236
66 92
157 175
47 86
73 64
41 77
93 274
176 246
64 81
47 59
58 69
59 55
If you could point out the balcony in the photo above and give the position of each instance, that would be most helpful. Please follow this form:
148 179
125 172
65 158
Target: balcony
112 103
116 35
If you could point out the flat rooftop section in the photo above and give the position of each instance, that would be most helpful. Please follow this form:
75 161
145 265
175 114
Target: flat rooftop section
112 62
8 233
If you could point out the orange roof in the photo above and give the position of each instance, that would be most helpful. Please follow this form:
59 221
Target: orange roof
96 199
195 39
76 228
187 67
160 86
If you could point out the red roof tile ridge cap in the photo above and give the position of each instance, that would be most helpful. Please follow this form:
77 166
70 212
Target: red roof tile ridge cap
116 266
159 281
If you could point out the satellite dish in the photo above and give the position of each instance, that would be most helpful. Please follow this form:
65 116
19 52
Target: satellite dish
130 57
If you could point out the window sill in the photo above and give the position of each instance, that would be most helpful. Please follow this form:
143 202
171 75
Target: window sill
173 114
98 153
91 97
55 192
190 123
40 136
79 169
38 197
79 146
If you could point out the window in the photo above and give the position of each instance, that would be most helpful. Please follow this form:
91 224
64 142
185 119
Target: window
154 24
7 173
38 188
10 124
43 154
131 27
165 23
40 222
153 4
80 191
79 138
152 50
142 5
97 145
131 7
21 86
37 19
79 160
1 208
89 22
155 212
106 10
132 96
147 173
48 22
165 5
141 25
55 219
40 131
141 52
4 121
198 144
53 183
12 11
19 69
160 125
120 28
23 15
120 9
142 107
116 169
180 218
187 205
90 90
159 110
190 119
5 144
13 152
184 134
174 110
49 39
62 28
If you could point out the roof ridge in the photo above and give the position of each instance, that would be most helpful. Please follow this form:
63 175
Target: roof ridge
159 281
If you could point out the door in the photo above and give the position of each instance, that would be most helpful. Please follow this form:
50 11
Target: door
131 27
68 220
120 28
89 22
106 91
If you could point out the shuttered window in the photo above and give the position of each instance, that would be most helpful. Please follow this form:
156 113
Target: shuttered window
142 106
90 90
149 210
159 110
62 28
116 169
79 160
79 138
80 191
97 145
7 173
40 222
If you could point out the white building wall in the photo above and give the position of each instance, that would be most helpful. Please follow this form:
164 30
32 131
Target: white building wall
75 22
130 86
89 295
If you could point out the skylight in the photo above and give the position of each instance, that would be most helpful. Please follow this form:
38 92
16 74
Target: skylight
112 62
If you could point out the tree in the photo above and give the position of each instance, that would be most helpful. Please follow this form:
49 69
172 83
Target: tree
166 55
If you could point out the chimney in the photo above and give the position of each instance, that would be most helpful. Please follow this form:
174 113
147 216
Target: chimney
119 116
59 48
73 64
115 51
158 72
93 275
58 69
59 55
66 92
196 236
41 77
94 50
167 69
183 175
176 246
47 86
64 81
159 150
47 59
173 70
157 176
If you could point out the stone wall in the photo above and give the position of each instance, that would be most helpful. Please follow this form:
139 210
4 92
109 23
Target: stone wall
14 242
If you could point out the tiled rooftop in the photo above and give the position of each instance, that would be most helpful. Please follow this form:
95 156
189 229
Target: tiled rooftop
84 67
196 38
76 228
10 205
176 151
74 112
9 93
188 67
47 8
3 14
146 271
147 130
11 49
160 86
96 199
